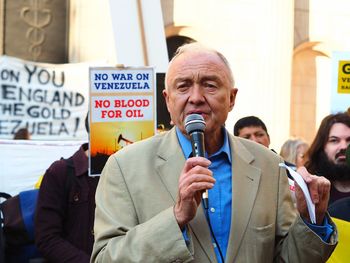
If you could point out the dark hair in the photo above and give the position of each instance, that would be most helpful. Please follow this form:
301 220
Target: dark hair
22 134
248 122
321 138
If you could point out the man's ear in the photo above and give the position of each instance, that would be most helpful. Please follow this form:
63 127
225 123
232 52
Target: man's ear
233 94
166 98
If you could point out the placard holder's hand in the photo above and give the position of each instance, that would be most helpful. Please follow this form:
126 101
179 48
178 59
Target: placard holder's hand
319 188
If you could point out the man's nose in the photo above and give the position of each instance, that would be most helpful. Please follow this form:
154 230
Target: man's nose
254 138
197 94
344 144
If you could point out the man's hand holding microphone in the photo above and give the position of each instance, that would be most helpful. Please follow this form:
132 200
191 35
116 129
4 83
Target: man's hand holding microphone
195 178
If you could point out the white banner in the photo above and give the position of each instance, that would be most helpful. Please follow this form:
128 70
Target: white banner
51 100
22 162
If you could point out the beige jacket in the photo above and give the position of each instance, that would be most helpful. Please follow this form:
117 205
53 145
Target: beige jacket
137 191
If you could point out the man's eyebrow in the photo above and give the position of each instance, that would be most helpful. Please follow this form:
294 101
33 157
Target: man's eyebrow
203 79
181 79
211 77
262 131
333 137
337 137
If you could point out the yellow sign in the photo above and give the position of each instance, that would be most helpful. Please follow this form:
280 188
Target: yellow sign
341 253
344 76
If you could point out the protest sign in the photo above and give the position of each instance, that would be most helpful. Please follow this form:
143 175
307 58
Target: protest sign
340 91
122 110
48 99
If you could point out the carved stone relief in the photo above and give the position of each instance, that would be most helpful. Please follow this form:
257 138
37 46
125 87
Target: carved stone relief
36 30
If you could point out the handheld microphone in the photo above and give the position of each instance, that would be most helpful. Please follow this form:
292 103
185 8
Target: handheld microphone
194 126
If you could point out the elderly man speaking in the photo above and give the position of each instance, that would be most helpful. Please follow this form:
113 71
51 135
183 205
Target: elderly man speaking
149 205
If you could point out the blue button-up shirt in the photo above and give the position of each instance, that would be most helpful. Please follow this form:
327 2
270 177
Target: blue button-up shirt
220 196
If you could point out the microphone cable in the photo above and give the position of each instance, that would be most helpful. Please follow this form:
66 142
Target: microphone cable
213 235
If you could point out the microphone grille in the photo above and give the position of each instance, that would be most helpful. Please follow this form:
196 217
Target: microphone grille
194 122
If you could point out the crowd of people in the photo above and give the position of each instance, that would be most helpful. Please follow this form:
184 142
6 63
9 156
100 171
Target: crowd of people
147 206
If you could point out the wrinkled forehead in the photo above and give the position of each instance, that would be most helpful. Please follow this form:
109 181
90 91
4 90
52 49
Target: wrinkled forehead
196 63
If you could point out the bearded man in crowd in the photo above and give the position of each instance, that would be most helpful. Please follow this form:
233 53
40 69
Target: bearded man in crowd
327 154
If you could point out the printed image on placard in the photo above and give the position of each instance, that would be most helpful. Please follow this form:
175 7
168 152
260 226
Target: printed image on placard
113 137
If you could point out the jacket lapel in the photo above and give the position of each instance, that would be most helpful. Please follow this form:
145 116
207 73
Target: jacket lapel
245 184
170 162
169 166
200 228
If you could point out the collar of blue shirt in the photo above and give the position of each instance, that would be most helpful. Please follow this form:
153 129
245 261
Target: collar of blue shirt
187 147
